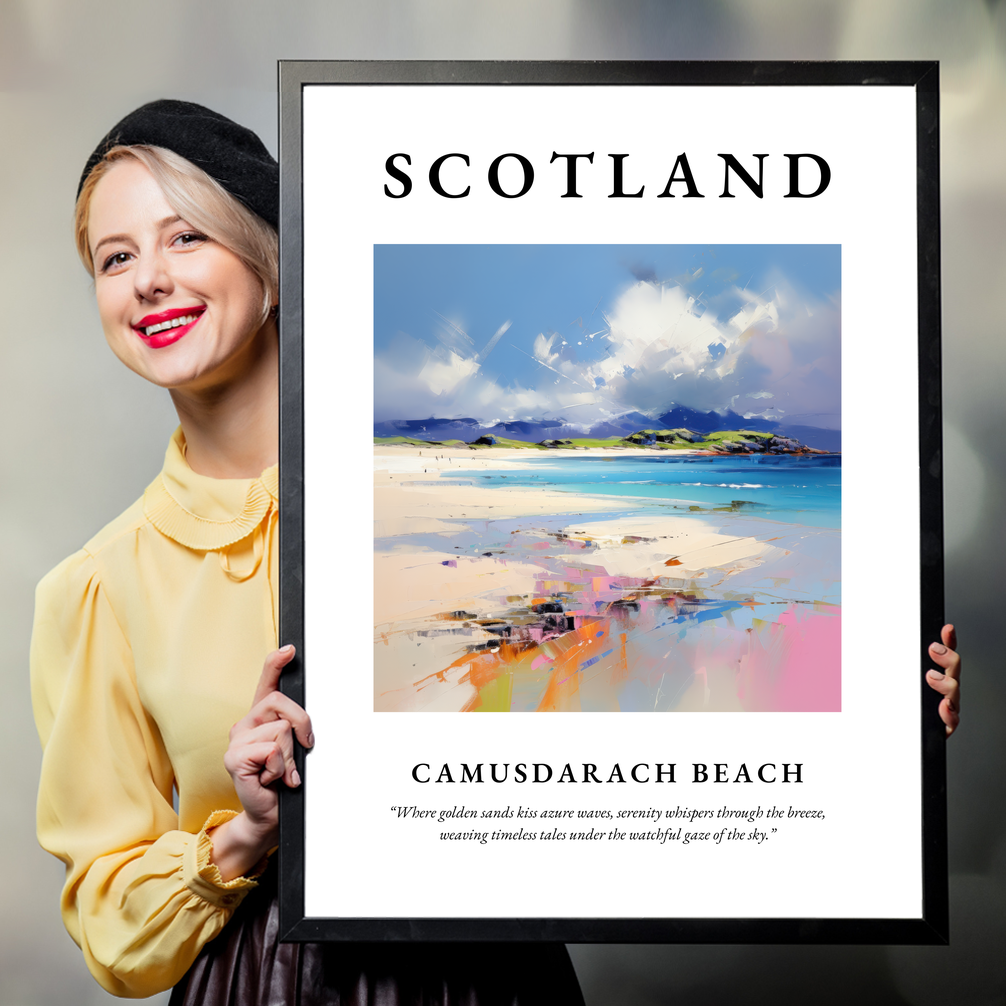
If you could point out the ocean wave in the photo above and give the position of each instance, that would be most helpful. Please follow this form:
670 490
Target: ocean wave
730 485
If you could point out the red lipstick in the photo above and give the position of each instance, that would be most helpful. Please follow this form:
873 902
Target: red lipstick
166 327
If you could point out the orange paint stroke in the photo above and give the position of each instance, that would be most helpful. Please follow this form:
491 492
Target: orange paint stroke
587 644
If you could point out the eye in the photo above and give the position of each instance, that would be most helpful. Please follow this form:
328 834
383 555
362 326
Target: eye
189 239
115 261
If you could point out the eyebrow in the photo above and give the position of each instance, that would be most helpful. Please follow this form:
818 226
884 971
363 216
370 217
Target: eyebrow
111 238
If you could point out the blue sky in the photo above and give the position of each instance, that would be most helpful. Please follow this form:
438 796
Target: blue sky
592 331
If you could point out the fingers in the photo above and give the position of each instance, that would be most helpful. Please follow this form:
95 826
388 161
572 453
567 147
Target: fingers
262 761
949 712
949 636
265 751
277 706
950 717
948 660
270 703
261 749
279 764
945 655
947 681
949 688
271 671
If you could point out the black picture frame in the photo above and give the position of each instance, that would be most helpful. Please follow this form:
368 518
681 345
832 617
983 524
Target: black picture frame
931 927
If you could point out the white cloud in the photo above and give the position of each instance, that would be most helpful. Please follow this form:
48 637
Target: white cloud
668 348
443 376
778 353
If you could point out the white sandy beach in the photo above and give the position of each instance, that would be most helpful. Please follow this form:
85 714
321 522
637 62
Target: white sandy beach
405 458
411 584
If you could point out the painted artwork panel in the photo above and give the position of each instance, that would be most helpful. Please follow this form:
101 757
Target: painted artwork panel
535 371
607 478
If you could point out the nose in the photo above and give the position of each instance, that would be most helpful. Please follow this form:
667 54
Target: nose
152 277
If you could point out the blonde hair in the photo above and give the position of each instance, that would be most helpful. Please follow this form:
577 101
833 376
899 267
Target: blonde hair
199 200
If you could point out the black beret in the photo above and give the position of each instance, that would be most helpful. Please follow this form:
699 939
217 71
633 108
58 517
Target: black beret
230 154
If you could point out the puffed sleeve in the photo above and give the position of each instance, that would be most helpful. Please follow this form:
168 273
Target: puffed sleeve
141 898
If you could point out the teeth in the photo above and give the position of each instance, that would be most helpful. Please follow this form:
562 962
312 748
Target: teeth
174 323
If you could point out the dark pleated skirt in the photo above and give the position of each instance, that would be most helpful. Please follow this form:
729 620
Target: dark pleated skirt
246 965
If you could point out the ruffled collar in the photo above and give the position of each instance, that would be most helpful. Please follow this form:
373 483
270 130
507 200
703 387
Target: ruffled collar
203 513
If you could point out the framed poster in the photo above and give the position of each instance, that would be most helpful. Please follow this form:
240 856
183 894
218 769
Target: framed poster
611 500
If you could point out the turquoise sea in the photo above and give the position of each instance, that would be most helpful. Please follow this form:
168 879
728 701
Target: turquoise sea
795 488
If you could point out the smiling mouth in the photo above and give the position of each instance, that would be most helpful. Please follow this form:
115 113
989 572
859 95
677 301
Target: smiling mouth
185 319
167 321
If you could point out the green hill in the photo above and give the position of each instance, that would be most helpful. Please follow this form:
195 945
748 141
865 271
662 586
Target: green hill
720 442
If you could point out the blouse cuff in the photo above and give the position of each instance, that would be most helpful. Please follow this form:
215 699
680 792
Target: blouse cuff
202 876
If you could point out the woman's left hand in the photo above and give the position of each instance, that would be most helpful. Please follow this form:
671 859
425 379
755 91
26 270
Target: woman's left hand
948 681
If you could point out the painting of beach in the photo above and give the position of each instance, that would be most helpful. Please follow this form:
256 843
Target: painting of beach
607 478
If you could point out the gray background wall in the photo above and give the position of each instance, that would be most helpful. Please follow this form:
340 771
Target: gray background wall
82 436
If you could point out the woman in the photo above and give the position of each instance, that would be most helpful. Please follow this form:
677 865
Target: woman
148 643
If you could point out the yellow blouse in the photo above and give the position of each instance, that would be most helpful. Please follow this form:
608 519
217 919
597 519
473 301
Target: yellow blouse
147 647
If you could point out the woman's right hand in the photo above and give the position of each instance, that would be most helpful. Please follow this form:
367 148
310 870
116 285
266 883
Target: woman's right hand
260 753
